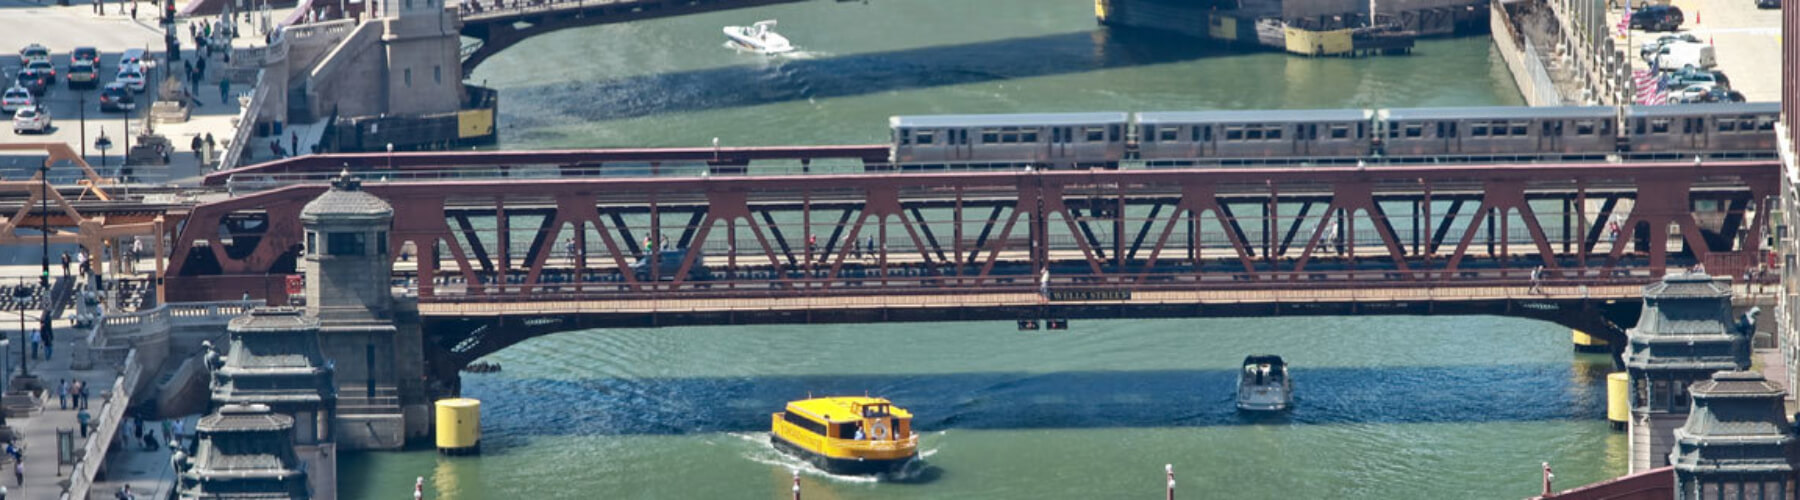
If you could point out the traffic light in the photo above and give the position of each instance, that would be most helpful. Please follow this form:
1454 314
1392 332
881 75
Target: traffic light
44 279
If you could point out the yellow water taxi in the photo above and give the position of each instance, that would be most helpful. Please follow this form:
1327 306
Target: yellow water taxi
846 435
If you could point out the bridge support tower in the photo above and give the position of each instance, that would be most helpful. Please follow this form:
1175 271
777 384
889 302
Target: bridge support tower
370 335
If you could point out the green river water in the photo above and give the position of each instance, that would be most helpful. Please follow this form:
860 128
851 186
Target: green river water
1388 407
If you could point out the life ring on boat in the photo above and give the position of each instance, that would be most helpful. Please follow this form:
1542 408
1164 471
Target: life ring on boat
879 430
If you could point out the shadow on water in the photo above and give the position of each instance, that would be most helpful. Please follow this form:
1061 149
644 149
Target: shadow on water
520 407
783 80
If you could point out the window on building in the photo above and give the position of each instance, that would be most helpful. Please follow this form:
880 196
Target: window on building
381 243
312 242
345 244
409 77
437 73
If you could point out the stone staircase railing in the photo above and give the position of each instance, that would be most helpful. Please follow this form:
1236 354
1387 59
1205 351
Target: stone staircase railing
106 427
116 334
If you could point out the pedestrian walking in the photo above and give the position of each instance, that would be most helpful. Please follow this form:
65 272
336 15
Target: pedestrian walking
293 142
37 338
62 393
83 393
19 472
210 144
83 417
1537 275
224 89
65 262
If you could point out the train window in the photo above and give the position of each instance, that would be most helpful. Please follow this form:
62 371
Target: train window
1253 133
1549 129
1443 129
1452 129
924 136
905 136
1234 133
1208 135
990 135
1393 130
1519 130
1149 133
1096 134
1359 130
1194 133
1478 130
1009 135
1659 126
1415 130
1584 128
1727 125
1029 135
1340 132
1274 132
1168 134
1115 132
1765 123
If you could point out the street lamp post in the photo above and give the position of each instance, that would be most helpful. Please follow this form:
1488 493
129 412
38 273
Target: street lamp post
103 143
82 109
20 294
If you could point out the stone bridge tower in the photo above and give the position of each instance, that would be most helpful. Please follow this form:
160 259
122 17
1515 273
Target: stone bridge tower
369 335
1683 336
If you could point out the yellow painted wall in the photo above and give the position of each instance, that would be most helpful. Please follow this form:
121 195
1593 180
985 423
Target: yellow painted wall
1317 43
474 123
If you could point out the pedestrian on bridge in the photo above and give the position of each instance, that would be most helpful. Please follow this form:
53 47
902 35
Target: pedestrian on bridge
62 393
224 89
1537 276
83 418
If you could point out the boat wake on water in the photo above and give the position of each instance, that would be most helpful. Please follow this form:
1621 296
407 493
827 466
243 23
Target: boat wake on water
764 452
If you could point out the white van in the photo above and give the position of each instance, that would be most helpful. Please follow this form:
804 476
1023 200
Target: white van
1675 56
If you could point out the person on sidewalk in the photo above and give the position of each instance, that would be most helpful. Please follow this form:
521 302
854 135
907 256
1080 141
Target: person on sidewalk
65 262
19 472
293 142
82 394
37 338
83 417
62 393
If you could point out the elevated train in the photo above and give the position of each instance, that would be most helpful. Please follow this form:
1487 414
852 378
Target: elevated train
1399 135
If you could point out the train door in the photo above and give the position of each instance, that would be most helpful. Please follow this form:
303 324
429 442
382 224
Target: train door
1203 141
1699 133
1304 135
1548 139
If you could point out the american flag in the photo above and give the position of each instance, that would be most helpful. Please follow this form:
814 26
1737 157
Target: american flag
1649 86
1625 21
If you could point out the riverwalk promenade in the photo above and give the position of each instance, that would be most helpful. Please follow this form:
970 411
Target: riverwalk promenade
128 460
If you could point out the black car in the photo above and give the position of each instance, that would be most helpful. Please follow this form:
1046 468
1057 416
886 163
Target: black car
1768 4
1657 18
37 83
116 97
668 264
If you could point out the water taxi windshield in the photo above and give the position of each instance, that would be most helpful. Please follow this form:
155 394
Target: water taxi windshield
872 411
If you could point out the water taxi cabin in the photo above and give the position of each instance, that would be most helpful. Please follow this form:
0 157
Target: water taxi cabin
846 435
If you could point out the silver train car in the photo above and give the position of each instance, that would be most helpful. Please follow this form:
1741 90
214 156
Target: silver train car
1498 131
1056 140
1103 140
1745 128
1253 134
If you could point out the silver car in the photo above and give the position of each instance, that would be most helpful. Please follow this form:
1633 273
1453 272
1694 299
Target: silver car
15 99
34 119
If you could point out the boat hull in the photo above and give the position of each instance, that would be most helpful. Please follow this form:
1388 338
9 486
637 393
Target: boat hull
842 466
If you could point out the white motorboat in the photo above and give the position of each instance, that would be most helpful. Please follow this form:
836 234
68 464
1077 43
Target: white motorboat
760 38
1264 385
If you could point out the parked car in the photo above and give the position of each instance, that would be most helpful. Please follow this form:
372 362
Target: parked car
1692 93
1679 55
35 119
117 97
1651 47
1657 18
34 52
668 263
82 73
1685 76
15 99
132 77
88 54
35 83
43 67
1768 4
